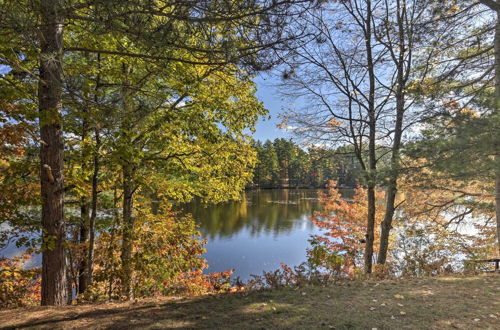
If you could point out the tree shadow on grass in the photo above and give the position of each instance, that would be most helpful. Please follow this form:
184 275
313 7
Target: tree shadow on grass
426 303
221 311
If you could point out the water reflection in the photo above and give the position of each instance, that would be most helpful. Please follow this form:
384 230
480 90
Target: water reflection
266 228
274 211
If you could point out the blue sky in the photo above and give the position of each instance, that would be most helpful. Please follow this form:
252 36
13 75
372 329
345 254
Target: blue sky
269 95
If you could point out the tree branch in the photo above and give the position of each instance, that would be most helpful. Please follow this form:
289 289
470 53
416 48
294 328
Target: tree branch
492 4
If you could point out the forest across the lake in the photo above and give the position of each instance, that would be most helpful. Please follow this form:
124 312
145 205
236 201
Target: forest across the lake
283 163
133 164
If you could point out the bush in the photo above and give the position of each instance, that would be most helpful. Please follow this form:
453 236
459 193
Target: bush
18 286
286 276
166 259
196 283
321 257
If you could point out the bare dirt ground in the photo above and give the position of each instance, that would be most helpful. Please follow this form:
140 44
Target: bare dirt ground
451 302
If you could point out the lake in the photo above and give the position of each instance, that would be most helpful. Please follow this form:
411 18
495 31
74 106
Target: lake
258 233
263 230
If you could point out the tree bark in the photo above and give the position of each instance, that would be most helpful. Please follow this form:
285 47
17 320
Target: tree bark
116 223
69 277
128 227
372 162
392 188
84 215
54 290
84 236
128 191
370 230
95 183
93 214
497 116
497 207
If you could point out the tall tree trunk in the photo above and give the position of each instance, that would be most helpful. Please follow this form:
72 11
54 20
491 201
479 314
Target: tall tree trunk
84 214
370 229
370 224
372 160
69 277
495 6
392 188
83 240
116 224
497 116
95 182
128 189
497 206
93 214
128 227
54 291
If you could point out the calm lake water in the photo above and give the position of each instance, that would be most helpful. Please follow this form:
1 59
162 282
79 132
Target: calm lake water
264 229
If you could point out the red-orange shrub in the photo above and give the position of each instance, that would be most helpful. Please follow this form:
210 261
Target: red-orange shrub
344 222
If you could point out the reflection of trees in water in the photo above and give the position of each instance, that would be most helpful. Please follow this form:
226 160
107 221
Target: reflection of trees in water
274 211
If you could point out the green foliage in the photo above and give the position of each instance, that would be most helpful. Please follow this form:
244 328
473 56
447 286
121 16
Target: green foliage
282 163
176 115
321 257
165 248
461 143
266 171
166 245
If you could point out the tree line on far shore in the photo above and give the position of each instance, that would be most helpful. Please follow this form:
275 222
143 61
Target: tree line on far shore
283 163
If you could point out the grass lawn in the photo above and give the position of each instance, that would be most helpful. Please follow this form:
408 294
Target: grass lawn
450 302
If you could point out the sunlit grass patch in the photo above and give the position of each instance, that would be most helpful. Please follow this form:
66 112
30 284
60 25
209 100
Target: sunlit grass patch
460 303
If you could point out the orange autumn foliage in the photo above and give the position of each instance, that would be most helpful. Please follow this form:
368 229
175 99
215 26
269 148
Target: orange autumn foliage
196 283
15 131
344 222
433 197
18 169
18 286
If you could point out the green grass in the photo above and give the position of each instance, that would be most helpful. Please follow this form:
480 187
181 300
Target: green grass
452 302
